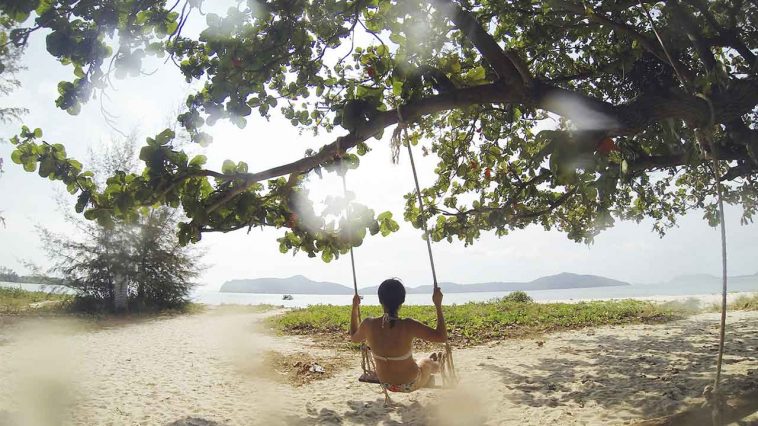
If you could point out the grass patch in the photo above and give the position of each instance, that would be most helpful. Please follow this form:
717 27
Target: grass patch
16 301
479 322
745 303
741 303
20 302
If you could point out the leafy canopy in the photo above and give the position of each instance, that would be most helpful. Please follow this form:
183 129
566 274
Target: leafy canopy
562 113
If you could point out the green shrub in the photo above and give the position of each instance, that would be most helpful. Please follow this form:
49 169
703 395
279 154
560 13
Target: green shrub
518 297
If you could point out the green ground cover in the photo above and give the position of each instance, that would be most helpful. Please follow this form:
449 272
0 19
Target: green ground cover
745 302
479 322
17 301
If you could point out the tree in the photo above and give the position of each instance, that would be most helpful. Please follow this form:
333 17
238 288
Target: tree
141 260
10 55
8 275
643 96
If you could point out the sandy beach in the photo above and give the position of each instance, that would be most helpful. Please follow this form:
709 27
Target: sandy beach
215 368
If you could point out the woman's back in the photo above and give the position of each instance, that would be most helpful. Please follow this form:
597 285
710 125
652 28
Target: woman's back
393 342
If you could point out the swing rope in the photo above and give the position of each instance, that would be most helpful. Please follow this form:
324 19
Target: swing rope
712 394
447 365
367 362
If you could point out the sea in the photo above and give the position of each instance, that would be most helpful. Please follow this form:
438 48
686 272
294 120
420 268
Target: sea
676 289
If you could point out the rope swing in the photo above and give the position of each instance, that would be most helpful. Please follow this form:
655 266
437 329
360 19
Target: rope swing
447 366
712 394
367 361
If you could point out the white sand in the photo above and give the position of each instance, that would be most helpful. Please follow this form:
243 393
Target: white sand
696 300
206 370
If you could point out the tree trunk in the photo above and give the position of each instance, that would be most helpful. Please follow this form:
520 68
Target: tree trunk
120 293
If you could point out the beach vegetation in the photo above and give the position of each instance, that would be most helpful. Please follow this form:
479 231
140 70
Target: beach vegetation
136 264
744 302
479 322
568 115
518 297
18 301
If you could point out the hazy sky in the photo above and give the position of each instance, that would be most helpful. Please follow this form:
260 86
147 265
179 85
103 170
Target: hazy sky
628 252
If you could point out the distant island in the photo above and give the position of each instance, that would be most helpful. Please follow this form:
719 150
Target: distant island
299 284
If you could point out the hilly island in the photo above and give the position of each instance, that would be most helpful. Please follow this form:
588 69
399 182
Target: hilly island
299 284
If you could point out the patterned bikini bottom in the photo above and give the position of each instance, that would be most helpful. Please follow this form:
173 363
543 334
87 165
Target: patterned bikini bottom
406 387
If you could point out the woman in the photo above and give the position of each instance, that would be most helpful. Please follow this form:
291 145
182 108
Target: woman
391 339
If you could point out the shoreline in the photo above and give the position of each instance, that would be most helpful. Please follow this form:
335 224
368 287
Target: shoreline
703 299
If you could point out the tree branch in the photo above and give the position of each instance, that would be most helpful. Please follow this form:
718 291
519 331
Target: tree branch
518 216
702 48
740 133
509 69
651 162
647 43
726 37
627 119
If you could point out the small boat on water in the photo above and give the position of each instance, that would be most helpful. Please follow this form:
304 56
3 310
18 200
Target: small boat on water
287 297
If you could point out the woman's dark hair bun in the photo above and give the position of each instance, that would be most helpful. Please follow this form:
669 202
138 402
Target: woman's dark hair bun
391 295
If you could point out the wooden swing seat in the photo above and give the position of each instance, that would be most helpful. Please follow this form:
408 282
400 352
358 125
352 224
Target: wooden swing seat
371 378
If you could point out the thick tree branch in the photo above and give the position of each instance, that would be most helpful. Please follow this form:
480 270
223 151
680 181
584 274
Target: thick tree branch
649 44
488 93
652 162
740 133
693 32
738 171
627 119
726 37
508 67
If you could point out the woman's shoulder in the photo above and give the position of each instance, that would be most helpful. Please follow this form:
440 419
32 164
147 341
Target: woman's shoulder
397 321
375 320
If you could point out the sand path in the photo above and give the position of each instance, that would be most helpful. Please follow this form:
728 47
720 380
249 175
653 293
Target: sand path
207 369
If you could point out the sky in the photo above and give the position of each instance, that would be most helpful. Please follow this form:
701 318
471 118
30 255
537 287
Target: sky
629 252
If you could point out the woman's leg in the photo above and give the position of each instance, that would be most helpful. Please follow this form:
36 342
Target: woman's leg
428 366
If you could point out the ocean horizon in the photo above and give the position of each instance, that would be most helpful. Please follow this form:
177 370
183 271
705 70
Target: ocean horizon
675 290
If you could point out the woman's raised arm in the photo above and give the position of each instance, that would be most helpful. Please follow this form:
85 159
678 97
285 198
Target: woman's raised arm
357 329
423 331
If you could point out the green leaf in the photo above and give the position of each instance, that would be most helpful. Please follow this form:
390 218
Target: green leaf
82 200
198 161
327 255
203 139
229 167
46 167
165 137
477 74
